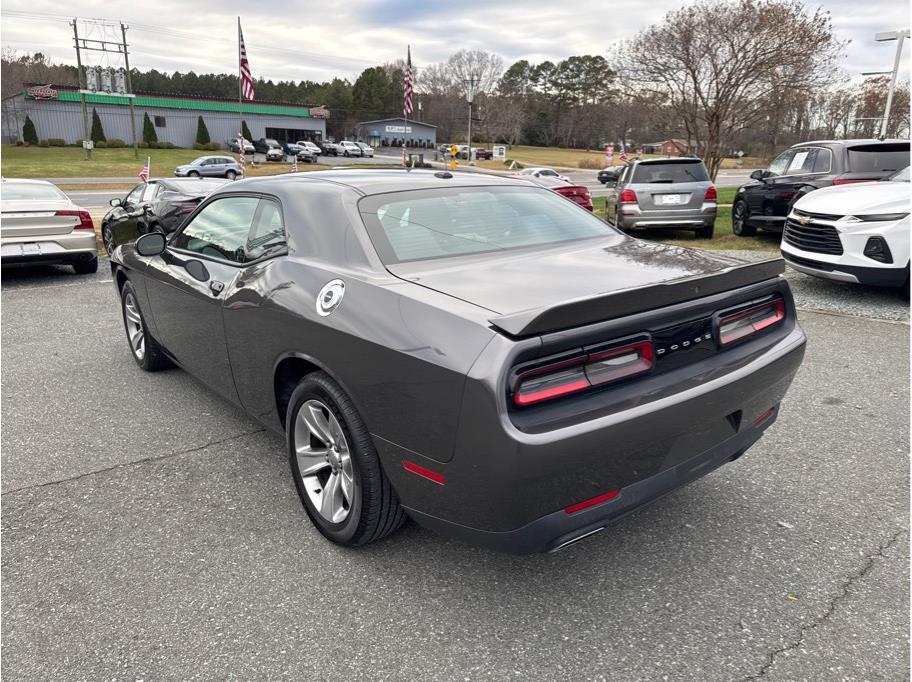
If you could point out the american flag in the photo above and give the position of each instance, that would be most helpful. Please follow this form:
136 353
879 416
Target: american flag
624 156
246 78
144 173
407 104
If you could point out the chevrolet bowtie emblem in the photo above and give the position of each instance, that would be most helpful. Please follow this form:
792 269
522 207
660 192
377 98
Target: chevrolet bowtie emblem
804 220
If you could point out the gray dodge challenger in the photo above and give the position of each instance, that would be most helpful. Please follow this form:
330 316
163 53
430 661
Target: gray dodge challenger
474 352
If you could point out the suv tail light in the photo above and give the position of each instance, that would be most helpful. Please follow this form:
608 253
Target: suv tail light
710 194
739 325
85 220
628 196
849 181
583 371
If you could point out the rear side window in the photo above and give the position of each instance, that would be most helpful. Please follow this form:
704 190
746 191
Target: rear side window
878 158
426 224
668 173
824 161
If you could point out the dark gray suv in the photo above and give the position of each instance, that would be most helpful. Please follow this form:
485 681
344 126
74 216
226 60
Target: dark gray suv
673 192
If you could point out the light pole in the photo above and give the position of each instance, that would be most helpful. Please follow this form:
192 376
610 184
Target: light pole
470 85
898 36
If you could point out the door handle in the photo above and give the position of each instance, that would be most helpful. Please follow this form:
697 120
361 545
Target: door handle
216 287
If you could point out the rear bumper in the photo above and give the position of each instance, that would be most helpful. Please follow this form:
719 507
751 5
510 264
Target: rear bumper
66 248
631 217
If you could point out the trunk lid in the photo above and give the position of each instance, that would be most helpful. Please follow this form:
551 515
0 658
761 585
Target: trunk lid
537 279
22 218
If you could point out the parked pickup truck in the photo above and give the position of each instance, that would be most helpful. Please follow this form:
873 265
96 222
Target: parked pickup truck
330 148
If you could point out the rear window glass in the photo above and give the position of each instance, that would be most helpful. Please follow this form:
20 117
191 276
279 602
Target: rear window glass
668 173
880 158
195 186
10 191
425 224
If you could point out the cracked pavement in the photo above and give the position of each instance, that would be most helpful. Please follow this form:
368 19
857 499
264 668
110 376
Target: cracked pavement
152 531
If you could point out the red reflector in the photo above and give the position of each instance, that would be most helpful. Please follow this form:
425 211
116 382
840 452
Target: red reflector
85 220
763 417
439 479
849 181
710 194
628 196
742 324
579 506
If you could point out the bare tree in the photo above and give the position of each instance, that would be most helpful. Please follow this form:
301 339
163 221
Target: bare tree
718 64
482 68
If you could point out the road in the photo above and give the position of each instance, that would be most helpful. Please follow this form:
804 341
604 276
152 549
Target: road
152 531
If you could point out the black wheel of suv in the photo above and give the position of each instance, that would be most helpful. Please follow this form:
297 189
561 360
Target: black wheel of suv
193 174
143 347
85 267
335 466
705 232
739 220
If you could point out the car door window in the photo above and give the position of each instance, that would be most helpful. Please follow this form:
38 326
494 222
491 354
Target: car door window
781 162
135 195
802 162
268 231
220 229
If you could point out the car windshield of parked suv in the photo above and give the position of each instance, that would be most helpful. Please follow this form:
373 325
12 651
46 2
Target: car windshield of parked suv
878 158
426 224
670 172
902 176
14 191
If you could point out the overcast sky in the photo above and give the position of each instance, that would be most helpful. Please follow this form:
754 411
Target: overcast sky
297 40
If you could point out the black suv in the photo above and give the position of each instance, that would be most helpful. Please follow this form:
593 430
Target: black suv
264 144
766 200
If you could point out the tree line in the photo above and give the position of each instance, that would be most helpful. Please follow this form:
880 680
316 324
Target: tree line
722 75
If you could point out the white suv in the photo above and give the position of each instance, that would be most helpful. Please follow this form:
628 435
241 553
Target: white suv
852 233
349 148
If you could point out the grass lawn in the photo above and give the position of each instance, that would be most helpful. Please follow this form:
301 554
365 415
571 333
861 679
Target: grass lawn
723 238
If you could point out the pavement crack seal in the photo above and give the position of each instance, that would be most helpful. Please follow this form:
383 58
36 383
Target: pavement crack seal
144 460
834 601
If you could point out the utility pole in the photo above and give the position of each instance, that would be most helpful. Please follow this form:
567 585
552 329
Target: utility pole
82 87
898 36
123 32
470 84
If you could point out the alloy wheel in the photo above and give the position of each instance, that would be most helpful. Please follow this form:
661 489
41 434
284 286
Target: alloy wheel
135 332
107 237
324 461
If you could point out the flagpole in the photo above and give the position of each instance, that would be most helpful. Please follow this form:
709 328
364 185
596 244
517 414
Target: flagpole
408 66
240 95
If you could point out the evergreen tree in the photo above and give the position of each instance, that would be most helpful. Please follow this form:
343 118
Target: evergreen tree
202 133
245 131
148 134
29 134
97 131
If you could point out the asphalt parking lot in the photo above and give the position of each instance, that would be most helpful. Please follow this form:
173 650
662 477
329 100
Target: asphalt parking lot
152 531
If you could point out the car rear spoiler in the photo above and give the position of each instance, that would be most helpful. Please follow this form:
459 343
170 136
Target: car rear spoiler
603 307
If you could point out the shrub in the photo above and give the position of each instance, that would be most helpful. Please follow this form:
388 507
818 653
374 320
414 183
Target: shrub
198 146
149 134
143 145
19 143
57 142
202 132
166 145
29 134
97 130
594 163
116 143
513 164
44 143
101 144
212 146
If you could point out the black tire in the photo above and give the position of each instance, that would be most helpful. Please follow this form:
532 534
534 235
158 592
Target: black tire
153 358
231 175
740 215
345 153
86 267
193 174
705 232
375 511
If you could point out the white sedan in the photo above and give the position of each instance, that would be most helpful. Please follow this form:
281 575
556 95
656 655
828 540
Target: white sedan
543 173
852 233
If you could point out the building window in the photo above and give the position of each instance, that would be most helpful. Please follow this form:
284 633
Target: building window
160 122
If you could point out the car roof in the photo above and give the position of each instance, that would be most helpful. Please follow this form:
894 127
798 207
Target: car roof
669 159
368 181
850 143
27 181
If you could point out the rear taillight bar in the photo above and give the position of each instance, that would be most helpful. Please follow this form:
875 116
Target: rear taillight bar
583 371
711 194
741 324
850 181
85 220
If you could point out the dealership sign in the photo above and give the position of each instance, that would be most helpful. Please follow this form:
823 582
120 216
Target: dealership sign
398 129
42 92
319 112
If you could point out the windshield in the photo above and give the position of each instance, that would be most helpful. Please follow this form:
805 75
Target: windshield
668 173
14 191
426 224
902 176
878 158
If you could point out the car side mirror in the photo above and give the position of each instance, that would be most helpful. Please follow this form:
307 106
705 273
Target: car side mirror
758 175
151 244
115 202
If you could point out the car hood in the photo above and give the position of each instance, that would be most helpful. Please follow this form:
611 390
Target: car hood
536 278
865 198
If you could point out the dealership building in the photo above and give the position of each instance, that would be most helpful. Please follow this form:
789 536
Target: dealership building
57 113
390 132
